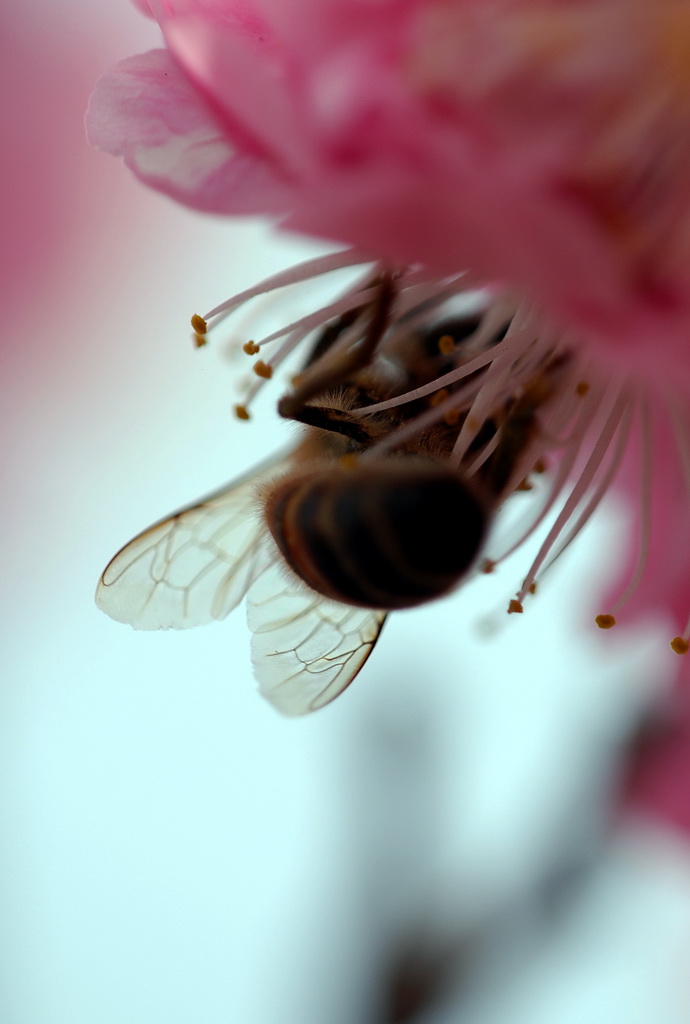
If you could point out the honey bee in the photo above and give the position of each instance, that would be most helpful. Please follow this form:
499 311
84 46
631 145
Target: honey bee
326 540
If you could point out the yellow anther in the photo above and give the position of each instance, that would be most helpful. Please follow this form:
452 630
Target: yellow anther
524 485
199 325
515 607
241 412
605 621
446 344
533 588
250 347
438 397
451 417
348 461
262 369
581 388
680 645
488 566
539 466
199 340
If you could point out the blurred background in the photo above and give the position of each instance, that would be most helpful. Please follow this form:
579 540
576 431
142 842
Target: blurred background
434 846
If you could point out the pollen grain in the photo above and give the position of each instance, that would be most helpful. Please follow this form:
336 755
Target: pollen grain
241 412
262 369
605 621
438 397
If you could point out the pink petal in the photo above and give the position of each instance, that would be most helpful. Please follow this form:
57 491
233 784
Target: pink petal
656 778
235 59
503 135
147 111
144 7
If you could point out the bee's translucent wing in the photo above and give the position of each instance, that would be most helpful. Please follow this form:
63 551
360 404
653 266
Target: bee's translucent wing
305 649
194 566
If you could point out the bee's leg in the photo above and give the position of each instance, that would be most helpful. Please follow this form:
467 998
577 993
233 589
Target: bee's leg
336 421
330 334
326 373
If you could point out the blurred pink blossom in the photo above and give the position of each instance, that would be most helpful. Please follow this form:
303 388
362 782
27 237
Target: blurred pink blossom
144 7
42 171
656 775
58 216
541 143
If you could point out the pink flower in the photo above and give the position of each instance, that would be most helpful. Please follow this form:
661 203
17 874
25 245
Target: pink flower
540 142
544 144
656 776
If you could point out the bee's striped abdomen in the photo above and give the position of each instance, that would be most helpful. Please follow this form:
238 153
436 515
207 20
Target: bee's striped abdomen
389 534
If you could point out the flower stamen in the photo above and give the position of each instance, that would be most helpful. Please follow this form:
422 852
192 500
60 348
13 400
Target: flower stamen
617 400
262 369
305 271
